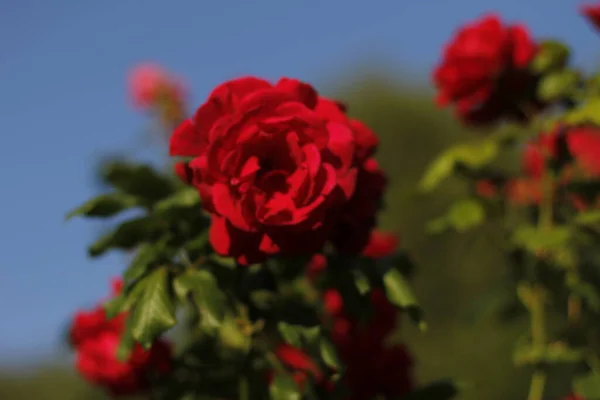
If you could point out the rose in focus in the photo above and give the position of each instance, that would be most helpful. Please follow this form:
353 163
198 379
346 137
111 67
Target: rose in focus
276 165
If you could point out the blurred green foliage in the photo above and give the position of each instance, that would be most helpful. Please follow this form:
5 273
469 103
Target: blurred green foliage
458 273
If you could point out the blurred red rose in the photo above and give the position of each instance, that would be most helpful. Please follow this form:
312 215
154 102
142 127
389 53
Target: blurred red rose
96 340
147 82
153 88
592 13
270 169
484 72
372 367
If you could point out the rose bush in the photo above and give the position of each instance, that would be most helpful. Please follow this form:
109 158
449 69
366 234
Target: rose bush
261 245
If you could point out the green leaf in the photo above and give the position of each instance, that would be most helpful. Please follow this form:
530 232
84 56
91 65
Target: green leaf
473 155
292 334
552 55
463 215
534 239
329 354
587 217
400 293
232 336
207 295
144 257
558 85
182 199
105 205
283 387
114 306
154 311
198 243
127 235
126 343
138 180
588 386
362 281
441 390
587 292
589 112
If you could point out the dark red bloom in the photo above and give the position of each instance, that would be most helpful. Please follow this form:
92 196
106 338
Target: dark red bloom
359 216
484 72
96 339
372 367
270 169
592 13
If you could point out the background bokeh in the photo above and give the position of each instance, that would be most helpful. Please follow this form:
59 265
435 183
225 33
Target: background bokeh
64 105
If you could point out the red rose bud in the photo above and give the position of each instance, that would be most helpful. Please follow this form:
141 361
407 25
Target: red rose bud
485 189
381 244
484 72
273 172
96 340
298 360
316 266
592 14
153 88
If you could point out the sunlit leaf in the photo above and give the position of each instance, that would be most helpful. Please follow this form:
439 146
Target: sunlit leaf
154 311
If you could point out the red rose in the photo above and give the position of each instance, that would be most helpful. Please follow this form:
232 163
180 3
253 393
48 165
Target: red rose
483 71
272 172
96 339
584 145
365 139
592 13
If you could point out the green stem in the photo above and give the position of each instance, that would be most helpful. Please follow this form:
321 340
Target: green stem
538 301
538 382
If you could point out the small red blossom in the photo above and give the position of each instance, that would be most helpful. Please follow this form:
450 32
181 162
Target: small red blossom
270 169
592 14
96 339
484 72
148 82
486 189
316 266
381 244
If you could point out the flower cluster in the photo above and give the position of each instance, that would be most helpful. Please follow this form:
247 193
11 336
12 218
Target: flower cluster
281 169
96 339
373 367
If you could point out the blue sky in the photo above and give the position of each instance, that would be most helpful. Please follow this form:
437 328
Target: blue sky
63 103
